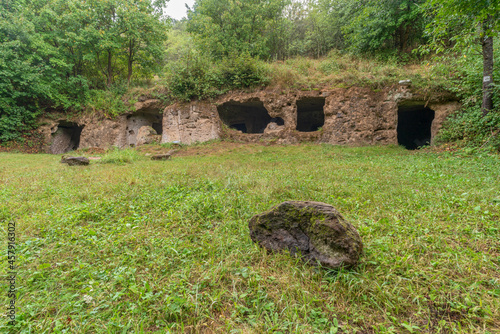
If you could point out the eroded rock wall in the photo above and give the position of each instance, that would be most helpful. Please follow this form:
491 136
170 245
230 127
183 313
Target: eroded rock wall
353 116
190 122
61 135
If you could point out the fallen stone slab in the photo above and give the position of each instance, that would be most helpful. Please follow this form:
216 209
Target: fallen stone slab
75 161
161 156
316 231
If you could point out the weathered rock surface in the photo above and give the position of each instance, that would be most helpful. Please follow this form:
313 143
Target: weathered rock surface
340 116
316 230
189 123
161 156
147 135
75 161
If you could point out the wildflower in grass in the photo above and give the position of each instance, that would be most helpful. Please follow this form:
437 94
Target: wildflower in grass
87 299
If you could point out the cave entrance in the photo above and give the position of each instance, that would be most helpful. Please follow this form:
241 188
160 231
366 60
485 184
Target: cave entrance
136 121
66 138
310 114
247 117
414 126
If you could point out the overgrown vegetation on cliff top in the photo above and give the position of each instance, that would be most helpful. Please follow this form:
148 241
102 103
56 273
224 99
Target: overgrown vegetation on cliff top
164 246
197 78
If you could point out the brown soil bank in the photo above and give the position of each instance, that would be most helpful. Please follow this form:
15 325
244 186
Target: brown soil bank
353 116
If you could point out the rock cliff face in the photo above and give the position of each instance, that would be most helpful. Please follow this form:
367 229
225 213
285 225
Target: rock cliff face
354 116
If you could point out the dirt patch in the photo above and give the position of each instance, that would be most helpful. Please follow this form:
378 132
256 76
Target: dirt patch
91 151
208 150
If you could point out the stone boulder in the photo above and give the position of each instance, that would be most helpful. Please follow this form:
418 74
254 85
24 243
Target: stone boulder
75 161
273 128
147 135
164 156
315 230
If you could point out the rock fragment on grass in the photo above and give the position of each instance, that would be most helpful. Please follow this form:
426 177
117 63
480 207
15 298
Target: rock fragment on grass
160 157
316 231
75 161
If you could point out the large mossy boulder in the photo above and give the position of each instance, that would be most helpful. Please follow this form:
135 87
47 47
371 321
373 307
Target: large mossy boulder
316 231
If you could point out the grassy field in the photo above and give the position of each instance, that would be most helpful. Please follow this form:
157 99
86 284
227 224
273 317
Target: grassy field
153 247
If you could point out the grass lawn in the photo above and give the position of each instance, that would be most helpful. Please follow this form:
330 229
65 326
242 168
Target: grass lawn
152 246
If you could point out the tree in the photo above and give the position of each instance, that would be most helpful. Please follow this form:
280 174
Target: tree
225 27
23 84
465 24
144 32
373 25
100 39
52 52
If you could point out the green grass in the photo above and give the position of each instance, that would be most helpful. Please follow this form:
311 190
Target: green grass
344 71
152 246
117 156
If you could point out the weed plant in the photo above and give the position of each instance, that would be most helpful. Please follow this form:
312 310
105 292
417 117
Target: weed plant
118 156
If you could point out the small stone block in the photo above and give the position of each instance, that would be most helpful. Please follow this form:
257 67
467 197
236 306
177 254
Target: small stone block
160 157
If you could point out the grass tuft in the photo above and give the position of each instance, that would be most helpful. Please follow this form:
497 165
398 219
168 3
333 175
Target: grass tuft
118 156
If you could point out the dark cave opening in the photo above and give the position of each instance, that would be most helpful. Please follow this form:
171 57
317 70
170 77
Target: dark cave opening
278 120
240 127
247 117
66 138
414 126
310 114
158 128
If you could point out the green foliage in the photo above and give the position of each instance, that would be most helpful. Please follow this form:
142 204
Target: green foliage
22 82
53 52
189 77
470 128
457 25
464 75
387 24
108 102
19 89
240 71
195 76
225 27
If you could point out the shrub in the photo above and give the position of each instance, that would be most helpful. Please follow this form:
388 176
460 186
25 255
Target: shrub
198 77
472 129
109 102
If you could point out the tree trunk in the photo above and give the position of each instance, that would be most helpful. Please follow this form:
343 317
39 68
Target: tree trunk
487 44
110 69
130 60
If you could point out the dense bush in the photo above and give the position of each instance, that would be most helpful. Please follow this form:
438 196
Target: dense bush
194 76
471 129
110 102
